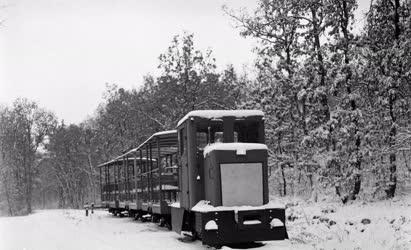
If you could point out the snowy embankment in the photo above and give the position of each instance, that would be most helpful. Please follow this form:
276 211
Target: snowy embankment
360 225
377 225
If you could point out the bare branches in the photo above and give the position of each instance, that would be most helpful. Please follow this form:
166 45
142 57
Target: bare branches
23 128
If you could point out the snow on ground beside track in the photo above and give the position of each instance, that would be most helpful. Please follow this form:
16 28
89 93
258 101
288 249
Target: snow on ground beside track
322 225
359 225
72 230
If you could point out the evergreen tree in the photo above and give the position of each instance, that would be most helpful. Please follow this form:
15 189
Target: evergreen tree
387 77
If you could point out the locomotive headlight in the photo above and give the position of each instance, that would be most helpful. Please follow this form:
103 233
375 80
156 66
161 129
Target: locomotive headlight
211 225
276 223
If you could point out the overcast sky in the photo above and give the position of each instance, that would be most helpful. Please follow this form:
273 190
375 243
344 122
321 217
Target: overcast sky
61 53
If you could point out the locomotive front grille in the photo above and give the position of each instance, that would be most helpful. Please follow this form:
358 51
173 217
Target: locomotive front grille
242 184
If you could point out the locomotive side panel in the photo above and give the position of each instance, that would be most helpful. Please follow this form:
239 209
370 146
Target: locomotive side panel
183 168
194 166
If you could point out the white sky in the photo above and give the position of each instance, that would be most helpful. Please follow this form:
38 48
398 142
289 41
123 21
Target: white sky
62 52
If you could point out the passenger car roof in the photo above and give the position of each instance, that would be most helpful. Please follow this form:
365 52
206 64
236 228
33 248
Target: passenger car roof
165 140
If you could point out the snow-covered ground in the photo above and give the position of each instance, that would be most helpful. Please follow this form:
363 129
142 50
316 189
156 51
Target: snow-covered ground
360 225
72 230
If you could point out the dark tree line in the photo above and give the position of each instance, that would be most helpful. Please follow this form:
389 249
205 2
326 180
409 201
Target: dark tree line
337 108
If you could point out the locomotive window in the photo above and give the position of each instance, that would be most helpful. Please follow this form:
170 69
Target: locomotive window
210 131
247 131
218 137
201 140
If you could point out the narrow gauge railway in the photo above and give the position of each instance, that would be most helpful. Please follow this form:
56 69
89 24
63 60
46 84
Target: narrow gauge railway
208 177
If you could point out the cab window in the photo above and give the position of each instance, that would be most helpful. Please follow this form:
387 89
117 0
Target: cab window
246 131
202 140
218 137
209 132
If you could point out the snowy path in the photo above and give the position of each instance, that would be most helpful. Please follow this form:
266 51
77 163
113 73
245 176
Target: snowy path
72 230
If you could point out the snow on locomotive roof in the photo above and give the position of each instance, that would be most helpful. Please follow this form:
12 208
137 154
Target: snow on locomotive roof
240 147
215 114
204 206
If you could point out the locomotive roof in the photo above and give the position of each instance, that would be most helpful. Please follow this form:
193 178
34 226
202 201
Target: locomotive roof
216 114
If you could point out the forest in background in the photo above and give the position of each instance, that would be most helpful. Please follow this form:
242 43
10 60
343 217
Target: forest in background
337 107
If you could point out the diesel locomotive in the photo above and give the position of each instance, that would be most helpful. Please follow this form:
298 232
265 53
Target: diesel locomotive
208 179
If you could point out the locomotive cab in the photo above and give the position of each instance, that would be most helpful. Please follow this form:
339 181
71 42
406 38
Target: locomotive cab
223 178
233 157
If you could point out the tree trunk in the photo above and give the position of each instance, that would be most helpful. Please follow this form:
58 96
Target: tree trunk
44 198
406 161
392 183
284 181
29 190
7 191
321 68
91 179
356 164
